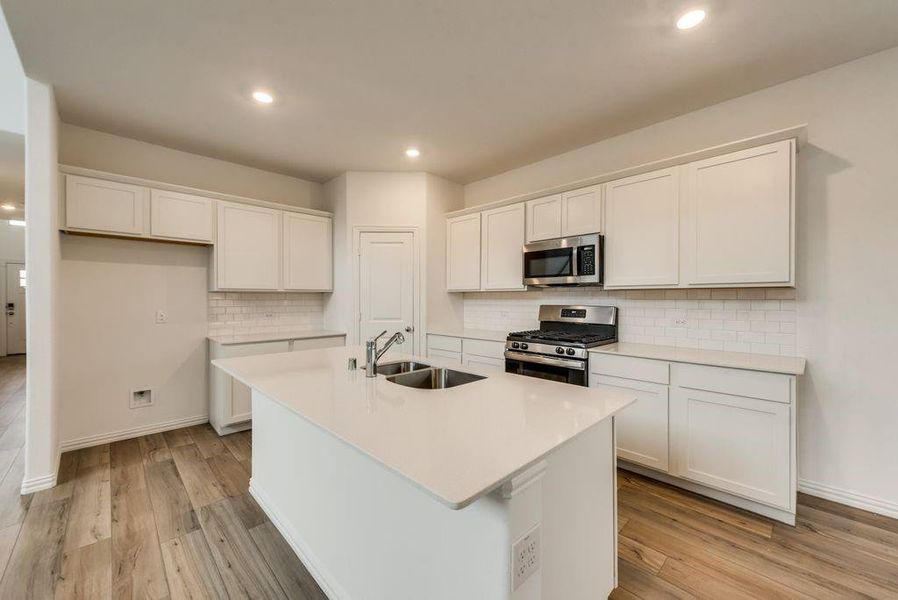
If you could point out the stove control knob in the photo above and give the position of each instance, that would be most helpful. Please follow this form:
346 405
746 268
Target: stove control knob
570 351
515 345
524 346
559 350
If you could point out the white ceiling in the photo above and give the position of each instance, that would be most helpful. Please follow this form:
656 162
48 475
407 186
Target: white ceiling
480 86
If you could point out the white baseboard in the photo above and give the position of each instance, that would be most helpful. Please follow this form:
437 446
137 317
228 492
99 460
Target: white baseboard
36 484
126 434
318 571
827 492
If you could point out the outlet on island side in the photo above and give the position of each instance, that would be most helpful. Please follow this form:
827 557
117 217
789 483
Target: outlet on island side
161 317
525 557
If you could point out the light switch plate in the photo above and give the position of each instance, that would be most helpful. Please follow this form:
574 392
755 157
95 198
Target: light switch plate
525 557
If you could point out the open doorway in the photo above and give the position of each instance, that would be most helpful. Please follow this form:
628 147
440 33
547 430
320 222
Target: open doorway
12 243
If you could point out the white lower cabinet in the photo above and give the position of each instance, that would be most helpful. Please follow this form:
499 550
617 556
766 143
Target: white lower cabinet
726 430
642 428
484 354
733 443
230 402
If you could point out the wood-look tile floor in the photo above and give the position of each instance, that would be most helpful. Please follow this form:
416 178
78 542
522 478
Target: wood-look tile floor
168 516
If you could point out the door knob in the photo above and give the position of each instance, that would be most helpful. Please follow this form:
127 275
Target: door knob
409 329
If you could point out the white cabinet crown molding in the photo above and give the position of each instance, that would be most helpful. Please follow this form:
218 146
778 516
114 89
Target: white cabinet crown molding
171 187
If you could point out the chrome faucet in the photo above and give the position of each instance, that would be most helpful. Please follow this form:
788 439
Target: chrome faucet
372 354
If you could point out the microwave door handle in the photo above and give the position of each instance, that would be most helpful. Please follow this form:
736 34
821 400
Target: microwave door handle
574 269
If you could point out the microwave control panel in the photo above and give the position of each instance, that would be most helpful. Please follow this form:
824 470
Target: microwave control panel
586 260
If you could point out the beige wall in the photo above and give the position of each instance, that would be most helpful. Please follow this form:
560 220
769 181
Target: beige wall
847 244
12 83
91 149
111 290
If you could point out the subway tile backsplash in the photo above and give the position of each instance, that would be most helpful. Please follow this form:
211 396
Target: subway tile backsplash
235 313
755 320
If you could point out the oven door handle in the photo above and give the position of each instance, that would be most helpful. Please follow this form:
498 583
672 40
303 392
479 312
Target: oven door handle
578 365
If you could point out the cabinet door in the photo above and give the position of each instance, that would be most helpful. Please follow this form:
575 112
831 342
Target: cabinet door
642 220
738 217
485 362
502 243
247 251
463 253
454 357
733 443
544 218
239 405
180 216
642 427
108 206
308 252
581 211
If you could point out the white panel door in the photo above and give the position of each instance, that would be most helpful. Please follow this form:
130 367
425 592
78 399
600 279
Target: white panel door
15 308
181 216
581 211
642 220
642 427
387 286
463 253
248 247
108 206
502 244
544 218
738 217
733 443
308 252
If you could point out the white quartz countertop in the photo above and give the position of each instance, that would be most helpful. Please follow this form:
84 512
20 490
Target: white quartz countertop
471 334
278 336
456 444
790 365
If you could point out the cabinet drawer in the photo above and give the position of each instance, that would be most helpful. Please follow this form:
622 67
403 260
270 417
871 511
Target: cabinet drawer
447 354
311 344
484 348
444 342
483 362
254 349
640 369
751 384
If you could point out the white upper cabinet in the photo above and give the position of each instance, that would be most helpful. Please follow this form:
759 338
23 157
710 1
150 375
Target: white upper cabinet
308 252
502 241
544 218
738 217
463 253
581 211
181 216
104 206
642 230
247 252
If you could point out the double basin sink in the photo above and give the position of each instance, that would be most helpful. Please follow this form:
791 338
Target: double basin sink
424 377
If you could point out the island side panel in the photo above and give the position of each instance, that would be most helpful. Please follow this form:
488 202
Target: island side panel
365 532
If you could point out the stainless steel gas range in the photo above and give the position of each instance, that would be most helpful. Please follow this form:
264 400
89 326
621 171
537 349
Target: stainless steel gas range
558 350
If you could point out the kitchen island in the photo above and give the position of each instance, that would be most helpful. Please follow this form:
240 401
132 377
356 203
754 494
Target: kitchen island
500 488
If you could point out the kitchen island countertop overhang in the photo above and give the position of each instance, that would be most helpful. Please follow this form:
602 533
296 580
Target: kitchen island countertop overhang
456 444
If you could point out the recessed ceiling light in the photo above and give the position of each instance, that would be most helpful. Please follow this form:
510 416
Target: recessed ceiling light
7 207
263 97
17 223
413 153
691 19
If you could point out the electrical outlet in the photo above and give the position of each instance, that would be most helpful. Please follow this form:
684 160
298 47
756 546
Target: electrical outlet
141 398
525 557
161 316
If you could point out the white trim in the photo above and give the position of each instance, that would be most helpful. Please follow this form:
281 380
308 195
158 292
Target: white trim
171 187
827 492
799 133
319 572
36 484
126 434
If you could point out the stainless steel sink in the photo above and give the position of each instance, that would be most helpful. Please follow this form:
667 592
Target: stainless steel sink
404 366
434 379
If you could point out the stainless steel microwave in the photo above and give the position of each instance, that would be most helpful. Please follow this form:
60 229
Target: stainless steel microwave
564 261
